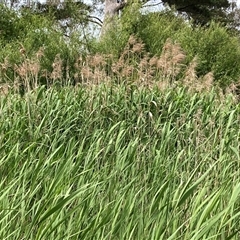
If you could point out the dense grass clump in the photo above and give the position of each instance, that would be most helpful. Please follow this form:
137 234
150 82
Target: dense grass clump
119 162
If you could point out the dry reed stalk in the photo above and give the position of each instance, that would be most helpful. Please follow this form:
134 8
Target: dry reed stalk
195 84
134 47
118 66
35 66
23 73
145 71
3 71
98 61
78 63
78 66
99 76
91 70
57 68
132 62
233 91
98 64
127 49
163 85
153 61
4 89
98 68
231 88
28 71
128 71
144 62
87 74
132 40
203 84
138 47
207 81
171 60
34 69
40 53
190 73
4 66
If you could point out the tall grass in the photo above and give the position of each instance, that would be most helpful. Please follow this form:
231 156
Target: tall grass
133 66
119 162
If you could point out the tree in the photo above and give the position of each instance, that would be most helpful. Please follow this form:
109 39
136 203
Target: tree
200 11
111 10
70 15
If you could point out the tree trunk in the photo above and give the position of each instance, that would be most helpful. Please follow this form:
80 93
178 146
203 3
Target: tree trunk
111 12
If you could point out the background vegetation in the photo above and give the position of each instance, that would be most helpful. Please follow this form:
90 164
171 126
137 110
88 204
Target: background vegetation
27 36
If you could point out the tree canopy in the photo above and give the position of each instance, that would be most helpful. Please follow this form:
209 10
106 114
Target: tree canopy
201 11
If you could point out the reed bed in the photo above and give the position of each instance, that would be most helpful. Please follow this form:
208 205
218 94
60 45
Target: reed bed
119 162
133 65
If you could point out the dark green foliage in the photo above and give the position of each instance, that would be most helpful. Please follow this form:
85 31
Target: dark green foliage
201 11
9 27
62 11
217 51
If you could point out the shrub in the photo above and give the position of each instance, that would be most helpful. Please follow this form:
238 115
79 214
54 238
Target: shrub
31 33
217 49
8 25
